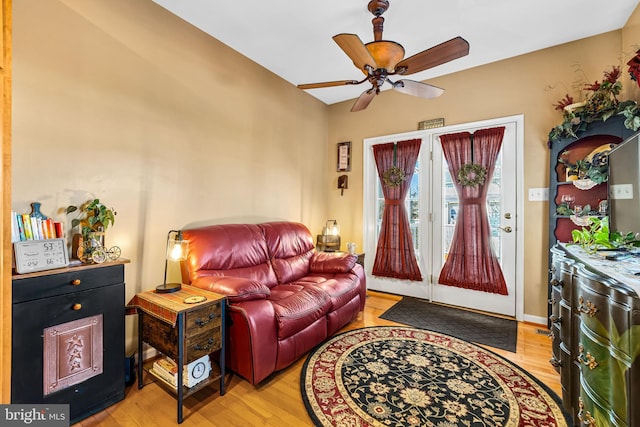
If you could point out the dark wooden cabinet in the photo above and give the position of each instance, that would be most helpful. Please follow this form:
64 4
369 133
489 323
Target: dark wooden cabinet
596 337
68 338
562 184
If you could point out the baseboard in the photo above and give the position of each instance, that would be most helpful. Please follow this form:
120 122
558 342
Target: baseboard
535 319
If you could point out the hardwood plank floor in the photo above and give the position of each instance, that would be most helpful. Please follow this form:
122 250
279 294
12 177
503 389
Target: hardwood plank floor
277 401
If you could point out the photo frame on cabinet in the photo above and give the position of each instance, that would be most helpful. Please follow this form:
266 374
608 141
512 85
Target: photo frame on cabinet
344 157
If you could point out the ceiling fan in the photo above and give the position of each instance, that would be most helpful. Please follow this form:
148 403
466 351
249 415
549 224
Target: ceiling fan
380 59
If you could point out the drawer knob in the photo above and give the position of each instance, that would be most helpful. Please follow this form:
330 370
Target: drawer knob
75 282
556 282
586 359
201 322
555 319
206 346
589 308
585 416
76 306
555 362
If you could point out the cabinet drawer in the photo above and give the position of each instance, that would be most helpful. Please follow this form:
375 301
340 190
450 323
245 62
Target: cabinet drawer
205 318
562 270
604 314
31 288
603 375
206 342
199 341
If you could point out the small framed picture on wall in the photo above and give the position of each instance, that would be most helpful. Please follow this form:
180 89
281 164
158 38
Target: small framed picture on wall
344 157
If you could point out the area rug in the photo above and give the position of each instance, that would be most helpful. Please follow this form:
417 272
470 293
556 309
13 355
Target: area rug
401 376
470 326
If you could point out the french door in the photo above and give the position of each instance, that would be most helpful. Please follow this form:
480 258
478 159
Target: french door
432 206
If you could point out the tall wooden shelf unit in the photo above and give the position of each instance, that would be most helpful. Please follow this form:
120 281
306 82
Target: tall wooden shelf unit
596 135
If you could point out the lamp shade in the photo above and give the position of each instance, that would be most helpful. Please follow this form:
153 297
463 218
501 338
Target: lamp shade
177 250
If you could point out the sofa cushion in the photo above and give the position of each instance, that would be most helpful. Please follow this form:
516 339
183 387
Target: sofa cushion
291 246
235 288
297 307
331 262
237 250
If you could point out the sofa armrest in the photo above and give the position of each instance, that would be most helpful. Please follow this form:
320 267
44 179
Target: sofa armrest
331 262
235 288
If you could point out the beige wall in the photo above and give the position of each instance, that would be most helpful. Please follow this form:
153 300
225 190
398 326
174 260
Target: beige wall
529 85
123 101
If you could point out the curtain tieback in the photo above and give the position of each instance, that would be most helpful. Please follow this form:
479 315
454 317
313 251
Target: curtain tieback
393 202
473 201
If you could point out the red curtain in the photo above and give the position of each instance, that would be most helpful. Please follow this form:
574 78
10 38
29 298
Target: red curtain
394 254
471 262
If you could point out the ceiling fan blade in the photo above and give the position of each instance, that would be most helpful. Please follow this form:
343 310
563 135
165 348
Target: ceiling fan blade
364 100
437 55
423 90
356 50
328 84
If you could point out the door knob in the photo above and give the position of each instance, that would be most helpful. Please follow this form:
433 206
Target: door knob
506 229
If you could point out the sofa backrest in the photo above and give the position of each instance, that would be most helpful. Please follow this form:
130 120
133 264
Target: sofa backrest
237 250
290 246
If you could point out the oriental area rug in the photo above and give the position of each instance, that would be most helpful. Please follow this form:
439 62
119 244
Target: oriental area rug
401 376
471 326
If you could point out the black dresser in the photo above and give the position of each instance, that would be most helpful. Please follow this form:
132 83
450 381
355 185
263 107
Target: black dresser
68 337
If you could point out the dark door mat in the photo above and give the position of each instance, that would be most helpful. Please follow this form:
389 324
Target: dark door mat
467 325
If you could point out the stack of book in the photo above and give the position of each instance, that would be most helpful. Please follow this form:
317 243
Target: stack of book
27 227
166 369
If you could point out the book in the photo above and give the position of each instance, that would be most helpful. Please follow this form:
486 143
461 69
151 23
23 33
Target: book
15 234
20 227
26 220
35 230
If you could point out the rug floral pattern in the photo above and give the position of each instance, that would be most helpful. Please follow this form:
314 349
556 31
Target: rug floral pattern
397 376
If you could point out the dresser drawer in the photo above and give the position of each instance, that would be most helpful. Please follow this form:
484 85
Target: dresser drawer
603 374
30 288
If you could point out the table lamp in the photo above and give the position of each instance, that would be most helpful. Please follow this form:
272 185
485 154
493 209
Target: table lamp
177 249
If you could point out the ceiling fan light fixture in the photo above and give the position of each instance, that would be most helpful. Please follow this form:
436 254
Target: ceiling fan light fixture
386 53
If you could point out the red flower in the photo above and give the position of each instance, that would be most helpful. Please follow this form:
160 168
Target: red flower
613 75
567 100
634 67
592 87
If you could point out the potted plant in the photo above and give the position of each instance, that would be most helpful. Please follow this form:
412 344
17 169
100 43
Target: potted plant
600 103
597 236
93 219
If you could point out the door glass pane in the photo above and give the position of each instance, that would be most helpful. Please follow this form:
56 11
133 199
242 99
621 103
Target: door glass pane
450 205
411 204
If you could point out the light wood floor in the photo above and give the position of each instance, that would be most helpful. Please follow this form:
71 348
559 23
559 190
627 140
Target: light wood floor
277 401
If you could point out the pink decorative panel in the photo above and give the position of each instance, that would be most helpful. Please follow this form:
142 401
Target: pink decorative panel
72 353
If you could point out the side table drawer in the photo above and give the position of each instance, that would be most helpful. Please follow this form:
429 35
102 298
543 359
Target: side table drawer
205 318
203 333
198 345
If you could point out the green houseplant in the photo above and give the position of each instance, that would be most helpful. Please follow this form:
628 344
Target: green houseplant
600 103
598 236
93 216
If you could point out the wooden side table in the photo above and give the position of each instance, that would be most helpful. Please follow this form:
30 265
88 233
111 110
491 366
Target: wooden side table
184 325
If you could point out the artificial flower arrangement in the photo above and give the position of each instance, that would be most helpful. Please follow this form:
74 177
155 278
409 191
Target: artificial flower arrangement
600 103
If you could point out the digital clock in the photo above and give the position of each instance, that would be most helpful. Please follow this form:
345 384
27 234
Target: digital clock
38 255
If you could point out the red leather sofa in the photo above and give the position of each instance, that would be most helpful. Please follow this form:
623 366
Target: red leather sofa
284 298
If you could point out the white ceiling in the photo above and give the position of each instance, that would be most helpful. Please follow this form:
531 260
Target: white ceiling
292 38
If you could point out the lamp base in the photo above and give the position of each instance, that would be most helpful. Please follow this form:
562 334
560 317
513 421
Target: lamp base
166 288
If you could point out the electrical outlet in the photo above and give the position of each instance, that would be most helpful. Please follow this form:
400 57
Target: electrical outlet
622 191
538 194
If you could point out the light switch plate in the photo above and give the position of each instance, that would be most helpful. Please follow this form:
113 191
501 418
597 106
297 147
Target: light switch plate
538 194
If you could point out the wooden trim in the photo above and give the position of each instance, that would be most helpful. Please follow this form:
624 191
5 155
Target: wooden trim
5 210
